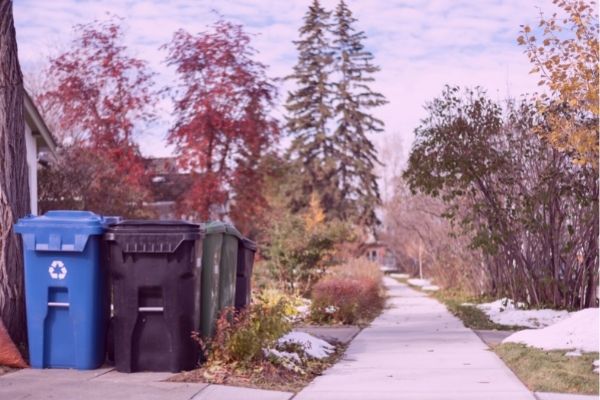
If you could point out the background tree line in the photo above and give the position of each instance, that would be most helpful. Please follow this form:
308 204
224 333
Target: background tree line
516 183
98 98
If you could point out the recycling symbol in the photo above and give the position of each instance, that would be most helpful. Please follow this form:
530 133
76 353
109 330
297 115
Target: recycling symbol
57 270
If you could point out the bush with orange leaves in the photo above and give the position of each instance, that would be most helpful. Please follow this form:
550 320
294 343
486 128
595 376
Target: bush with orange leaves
351 293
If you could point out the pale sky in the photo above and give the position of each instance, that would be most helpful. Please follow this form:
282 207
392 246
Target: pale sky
420 45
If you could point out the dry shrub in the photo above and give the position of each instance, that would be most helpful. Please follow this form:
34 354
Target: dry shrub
349 294
416 229
241 336
358 268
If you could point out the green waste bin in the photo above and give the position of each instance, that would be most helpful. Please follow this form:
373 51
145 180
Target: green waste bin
243 287
219 266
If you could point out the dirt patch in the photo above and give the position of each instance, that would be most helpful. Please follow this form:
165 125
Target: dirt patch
6 370
263 375
493 337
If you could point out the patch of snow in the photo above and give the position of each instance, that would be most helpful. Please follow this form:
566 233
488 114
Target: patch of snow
596 365
502 304
285 355
580 332
330 309
574 353
419 282
468 304
506 312
303 309
400 276
313 346
290 361
430 288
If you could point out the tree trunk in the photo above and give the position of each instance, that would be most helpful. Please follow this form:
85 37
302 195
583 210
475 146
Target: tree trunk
14 186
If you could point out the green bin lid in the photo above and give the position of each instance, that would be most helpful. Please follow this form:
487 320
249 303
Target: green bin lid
249 244
215 227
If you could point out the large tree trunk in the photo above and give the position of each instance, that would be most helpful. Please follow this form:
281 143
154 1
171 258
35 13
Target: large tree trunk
14 186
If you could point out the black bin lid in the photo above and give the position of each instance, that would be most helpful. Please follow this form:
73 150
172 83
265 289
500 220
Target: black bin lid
153 226
152 236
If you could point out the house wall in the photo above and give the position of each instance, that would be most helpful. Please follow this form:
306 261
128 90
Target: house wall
381 255
31 145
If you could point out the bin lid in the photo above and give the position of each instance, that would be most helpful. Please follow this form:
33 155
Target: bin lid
59 230
82 221
152 236
215 227
248 244
111 219
153 226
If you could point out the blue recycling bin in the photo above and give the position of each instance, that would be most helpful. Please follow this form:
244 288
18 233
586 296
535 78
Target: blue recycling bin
65 289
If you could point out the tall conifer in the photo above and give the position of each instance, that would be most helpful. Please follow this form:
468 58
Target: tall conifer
310 110
328 117
353 99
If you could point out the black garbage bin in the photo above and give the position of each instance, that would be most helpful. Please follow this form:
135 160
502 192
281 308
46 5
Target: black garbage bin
155 274
246 252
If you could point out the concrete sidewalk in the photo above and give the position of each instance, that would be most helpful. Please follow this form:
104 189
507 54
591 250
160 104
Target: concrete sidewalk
108 384
416 350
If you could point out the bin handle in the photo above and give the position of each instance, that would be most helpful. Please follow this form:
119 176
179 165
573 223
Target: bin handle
182 236
58 304
151 309
146 242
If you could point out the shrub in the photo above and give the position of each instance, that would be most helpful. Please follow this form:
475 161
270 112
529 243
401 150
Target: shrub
350 293
241 337
300 248
290 303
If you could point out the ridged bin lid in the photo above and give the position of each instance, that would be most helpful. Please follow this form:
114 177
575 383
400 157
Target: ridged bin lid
152 236
80 221
60 231
153 226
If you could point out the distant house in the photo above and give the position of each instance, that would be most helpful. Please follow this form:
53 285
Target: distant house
38 141
379 253
168 183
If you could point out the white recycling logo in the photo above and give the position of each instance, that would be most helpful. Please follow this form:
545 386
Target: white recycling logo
57 270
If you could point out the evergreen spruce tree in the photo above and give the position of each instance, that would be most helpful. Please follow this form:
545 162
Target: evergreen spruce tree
310 111
353 98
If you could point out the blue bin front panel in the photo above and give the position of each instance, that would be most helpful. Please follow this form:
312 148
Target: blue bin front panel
65 306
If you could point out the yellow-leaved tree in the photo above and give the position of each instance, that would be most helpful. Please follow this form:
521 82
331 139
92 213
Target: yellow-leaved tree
315 216
566 57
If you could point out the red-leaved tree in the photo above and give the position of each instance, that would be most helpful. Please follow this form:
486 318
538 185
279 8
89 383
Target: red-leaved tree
96 95
223 125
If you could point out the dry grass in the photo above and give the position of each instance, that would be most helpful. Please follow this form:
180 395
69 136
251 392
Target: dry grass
358 268
551 371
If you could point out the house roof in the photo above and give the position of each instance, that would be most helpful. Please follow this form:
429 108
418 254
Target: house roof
38 126
168 184
162 165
